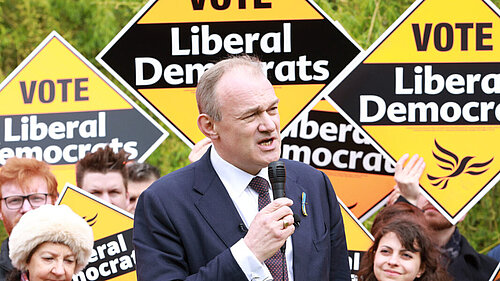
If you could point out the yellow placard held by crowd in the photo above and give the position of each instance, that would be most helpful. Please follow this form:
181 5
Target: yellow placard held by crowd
113 256
301 47
430 86
56 107
358 239
361 176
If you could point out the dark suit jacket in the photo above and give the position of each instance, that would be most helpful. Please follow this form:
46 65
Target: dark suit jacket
185 224
471 265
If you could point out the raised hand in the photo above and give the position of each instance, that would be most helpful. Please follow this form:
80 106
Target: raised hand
407 176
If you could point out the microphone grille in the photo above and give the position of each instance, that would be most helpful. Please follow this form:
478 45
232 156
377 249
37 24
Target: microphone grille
277 171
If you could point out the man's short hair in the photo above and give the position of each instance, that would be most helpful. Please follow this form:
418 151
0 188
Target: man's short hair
138 172
206 97
21 170
104 160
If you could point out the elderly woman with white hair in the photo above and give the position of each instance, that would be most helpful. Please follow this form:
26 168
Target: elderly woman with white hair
50 243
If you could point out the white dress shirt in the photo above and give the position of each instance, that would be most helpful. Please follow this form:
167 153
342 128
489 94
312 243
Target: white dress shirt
245 199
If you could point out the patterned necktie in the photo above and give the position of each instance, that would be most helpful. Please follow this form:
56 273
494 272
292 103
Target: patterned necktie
277 262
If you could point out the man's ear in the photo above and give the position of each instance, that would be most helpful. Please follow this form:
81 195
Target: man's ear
207 126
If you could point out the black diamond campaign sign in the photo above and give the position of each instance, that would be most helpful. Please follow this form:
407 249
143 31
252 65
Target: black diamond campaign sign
161 53
431 85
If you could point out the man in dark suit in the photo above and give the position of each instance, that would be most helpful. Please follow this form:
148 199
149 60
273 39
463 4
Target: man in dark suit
210 221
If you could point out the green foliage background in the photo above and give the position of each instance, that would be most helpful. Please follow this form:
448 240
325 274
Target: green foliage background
89 25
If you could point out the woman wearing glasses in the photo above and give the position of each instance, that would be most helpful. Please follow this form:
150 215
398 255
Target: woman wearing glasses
25 184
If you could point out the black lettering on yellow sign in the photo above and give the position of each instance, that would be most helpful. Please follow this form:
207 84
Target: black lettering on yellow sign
47 90
443 36
111 257
258 4
324 141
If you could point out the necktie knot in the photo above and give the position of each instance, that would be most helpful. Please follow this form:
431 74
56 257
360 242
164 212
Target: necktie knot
260 185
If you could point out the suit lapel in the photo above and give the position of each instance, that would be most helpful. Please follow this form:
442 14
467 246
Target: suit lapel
215 204
217 208
302 237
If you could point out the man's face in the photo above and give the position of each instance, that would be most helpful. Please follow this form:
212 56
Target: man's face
434 218
107 186
135 188
11 217
248 134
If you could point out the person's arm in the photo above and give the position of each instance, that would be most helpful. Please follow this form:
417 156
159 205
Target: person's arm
339 268
407 178
159 249
249 264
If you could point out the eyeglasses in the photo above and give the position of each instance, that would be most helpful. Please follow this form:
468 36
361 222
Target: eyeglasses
17 201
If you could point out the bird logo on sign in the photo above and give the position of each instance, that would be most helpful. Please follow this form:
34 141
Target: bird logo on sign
91 221
456 166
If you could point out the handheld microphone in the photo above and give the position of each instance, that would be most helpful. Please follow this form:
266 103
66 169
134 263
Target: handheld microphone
277 177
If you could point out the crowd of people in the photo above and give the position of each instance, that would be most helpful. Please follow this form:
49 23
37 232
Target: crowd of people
216 218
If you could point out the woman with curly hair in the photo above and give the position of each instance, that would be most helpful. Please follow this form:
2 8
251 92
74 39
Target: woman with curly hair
402 251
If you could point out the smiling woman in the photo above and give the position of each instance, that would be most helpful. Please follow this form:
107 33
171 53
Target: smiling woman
49 243
402 251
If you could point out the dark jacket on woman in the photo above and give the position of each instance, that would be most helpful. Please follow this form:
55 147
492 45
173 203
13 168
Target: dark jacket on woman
5 263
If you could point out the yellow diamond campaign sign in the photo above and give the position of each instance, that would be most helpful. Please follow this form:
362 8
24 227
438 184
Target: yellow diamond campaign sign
361 176
166 47
358 239
113 255
56 107
431 85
